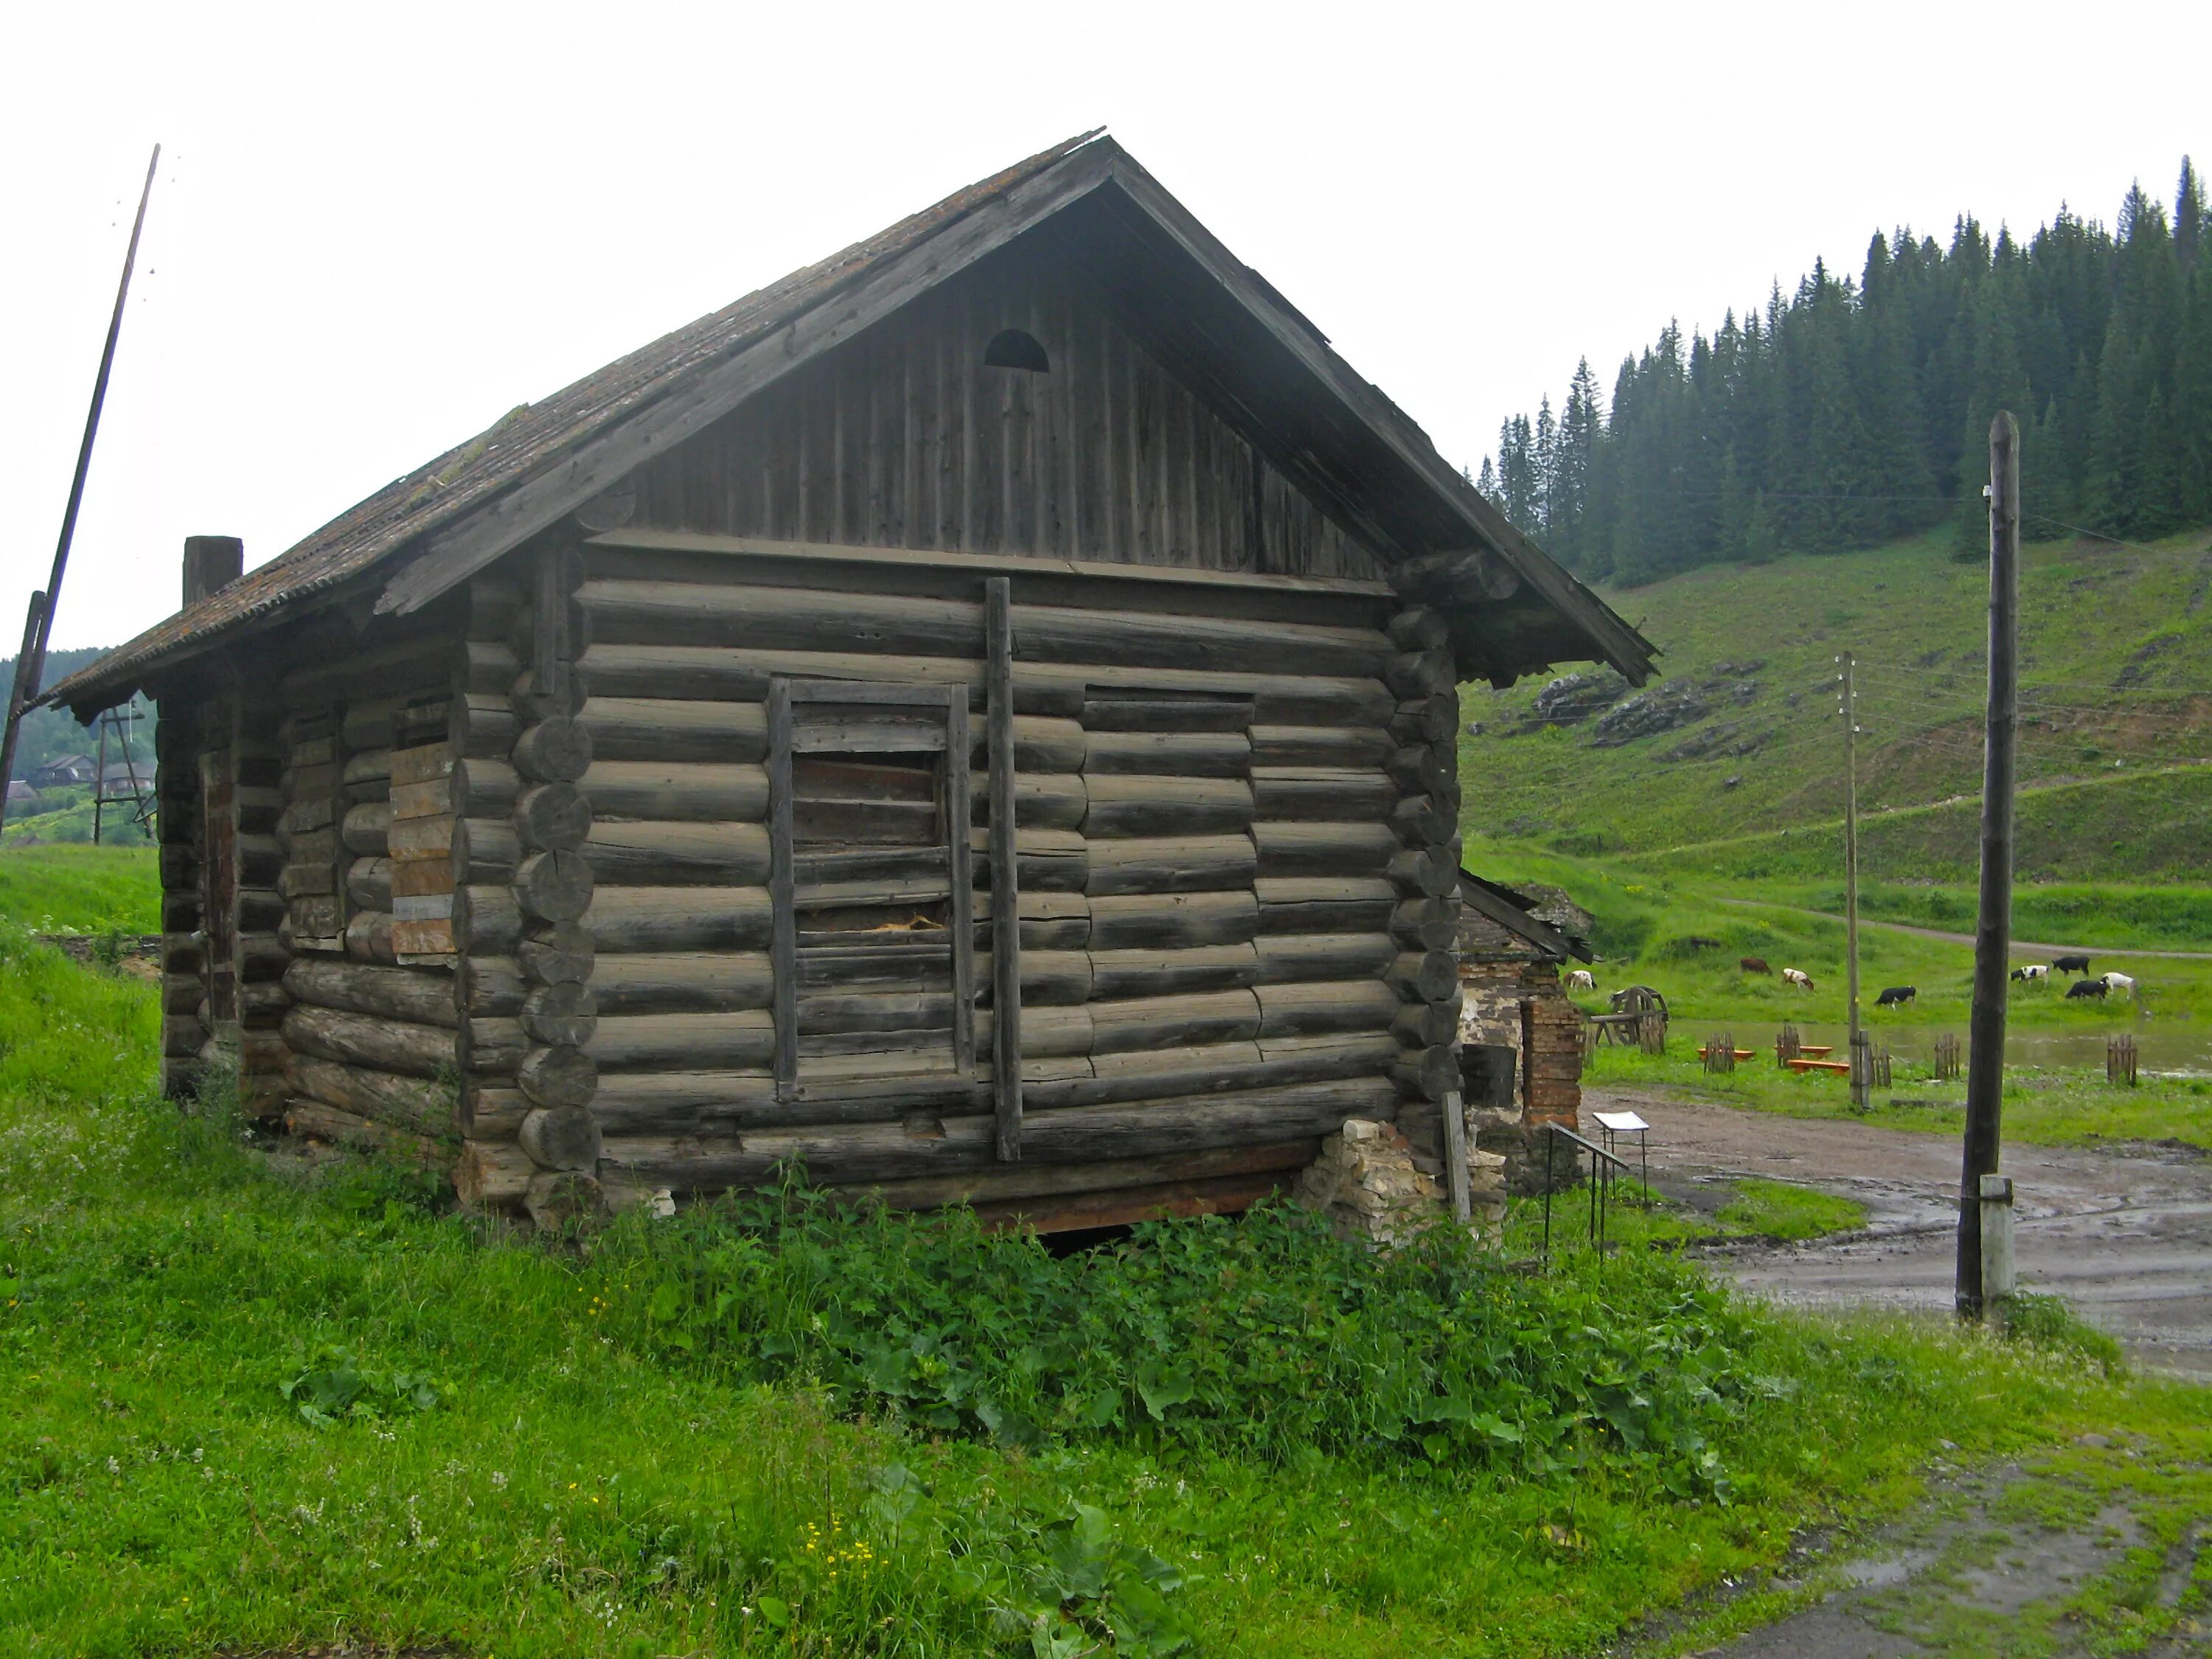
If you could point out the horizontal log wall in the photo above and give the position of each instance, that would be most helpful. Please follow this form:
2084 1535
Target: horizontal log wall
372 1030
1225 912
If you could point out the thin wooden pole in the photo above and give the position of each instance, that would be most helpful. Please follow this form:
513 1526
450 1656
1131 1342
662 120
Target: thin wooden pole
99 776
1856 1050
1005 911
1993 926
27 683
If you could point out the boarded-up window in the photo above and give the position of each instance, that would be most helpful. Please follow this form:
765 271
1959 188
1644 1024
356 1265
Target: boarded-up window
873 945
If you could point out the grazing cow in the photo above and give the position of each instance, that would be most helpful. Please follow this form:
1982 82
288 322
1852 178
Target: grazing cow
2119 982
2071 965
2032 972
2086 988
1754 965
1897 996
1797 977
1582 980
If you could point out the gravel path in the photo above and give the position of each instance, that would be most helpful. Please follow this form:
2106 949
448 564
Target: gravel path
2125 1234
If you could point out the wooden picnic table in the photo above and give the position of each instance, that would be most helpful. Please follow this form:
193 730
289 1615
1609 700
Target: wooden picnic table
1740 1054
1816 1050
1843 1067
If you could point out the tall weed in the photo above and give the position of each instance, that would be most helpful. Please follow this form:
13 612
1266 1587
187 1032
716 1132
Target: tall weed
1267 1336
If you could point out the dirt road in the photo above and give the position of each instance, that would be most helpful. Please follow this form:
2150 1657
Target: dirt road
2018 944
2124 1235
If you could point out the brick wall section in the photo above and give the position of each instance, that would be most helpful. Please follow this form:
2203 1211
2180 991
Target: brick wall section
1513 998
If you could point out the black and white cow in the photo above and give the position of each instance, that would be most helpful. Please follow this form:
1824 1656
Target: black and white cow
1897 996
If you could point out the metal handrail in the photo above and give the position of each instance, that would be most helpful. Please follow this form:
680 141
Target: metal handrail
1587 1145
1601 1187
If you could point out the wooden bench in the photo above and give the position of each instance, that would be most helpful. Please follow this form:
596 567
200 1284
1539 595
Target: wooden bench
1841 1066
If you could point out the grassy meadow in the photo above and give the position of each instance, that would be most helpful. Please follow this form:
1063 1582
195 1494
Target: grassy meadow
261 1403
2117 657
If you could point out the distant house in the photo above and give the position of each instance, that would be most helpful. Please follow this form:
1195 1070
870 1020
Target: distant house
61 771
1520 1051
20 794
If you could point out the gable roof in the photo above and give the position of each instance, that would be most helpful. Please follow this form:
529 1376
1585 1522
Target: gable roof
1263 366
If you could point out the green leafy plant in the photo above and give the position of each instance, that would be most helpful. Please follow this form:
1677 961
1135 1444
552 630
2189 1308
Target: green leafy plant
1267 1336
330 1386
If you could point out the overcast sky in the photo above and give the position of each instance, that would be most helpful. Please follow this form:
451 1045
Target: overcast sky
376 228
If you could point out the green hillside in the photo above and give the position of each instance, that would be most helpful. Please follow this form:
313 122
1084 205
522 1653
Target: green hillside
1732 764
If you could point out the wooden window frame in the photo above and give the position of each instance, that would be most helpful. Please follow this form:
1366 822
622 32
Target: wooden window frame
785 739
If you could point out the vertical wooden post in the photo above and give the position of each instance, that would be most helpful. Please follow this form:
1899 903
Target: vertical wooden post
1993 926
962 916
783 940
1455 1175
1005 909
1857 1044
19 694
99 777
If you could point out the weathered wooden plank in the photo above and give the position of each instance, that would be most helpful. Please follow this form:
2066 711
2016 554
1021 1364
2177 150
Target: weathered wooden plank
1340 850
1134 805
628 611
1042 801
378 1042
1173 920
741 1040
642 853
1168 754
1177 972
671 729
1173 1021
682 982
1045 860
1351 747
1181 864
1315 1008
1286 958
677 791
1076 1135
1286 794
424 1107
623 919
397 993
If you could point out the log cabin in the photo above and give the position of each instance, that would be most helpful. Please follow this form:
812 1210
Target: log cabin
975 721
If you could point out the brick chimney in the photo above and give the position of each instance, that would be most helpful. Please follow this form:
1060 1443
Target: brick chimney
211 564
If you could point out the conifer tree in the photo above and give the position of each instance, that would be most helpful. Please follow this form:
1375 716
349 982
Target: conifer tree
1846 410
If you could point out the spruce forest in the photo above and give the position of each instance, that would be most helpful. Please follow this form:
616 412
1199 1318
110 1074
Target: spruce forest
1848 412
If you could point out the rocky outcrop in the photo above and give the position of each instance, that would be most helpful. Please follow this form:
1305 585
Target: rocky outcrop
1573 698
1667 706
1722 737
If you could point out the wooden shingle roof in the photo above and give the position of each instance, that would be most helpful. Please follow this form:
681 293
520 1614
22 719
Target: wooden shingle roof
1276 378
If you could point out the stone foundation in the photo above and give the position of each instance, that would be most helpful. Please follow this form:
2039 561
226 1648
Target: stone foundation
1520 1149
1368 1183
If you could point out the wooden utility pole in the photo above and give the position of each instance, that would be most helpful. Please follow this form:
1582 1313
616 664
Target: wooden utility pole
1861 1060
1993 926
31 668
